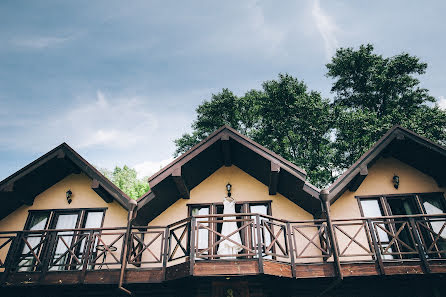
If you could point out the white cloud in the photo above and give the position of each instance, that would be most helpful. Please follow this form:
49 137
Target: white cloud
327 28
442 102
107 130
40 42
148 168
118 122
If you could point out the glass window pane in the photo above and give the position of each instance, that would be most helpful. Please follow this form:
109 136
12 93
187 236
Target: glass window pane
94 219
371 208
260 209
37 221
265 235
64 221
433 205
203 234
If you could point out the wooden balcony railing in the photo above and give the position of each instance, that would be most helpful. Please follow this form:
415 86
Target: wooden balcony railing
195 241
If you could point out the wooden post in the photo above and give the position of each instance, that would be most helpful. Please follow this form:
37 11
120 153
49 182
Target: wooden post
416 235
125 247
87 252
165 251
334 242
378 257
11 257
193 223
259 244
290 246
47 254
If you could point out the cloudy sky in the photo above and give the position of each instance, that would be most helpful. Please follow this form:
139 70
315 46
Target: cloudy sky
119 81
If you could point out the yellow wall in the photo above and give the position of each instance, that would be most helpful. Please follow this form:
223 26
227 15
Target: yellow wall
54 198
379 181
213 189
244 188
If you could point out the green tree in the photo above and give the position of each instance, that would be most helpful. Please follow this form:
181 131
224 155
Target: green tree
284 117
373 93
125 178
224 108
296 124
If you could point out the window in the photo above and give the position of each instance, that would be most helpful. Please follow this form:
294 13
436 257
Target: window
406 204
55 243
207 238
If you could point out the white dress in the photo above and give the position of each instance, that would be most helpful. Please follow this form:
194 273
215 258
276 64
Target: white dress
227 247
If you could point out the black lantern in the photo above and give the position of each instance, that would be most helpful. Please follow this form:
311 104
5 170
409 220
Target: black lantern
396 181
69 194
228 188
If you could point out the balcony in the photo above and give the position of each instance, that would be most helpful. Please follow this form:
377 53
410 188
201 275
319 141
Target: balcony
393 245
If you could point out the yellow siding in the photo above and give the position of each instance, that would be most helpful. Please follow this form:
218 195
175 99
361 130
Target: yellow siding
379 181
213 189
244 188
54 198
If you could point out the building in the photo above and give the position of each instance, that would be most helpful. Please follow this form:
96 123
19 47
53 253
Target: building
378 230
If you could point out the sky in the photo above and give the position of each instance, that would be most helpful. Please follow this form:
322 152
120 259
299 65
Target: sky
120 80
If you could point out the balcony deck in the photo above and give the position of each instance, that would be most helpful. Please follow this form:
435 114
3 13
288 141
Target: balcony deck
397 245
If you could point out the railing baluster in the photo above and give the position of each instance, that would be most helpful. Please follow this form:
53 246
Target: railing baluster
416 235
291 249
11 257
259 244
378 257
46 256
87 250
193 223
165 251
331 234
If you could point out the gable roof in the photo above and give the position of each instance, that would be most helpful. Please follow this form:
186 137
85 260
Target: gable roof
402 144
226 147
24 185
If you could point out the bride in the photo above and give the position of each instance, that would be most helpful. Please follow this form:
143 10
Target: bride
227 247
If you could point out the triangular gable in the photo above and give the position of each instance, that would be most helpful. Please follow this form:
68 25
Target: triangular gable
402 144
24 185
226 147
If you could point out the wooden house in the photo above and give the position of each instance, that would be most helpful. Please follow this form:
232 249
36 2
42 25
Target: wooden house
378 230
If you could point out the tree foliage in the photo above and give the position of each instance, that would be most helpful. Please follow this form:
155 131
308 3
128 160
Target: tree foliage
125 178
284 117
371 94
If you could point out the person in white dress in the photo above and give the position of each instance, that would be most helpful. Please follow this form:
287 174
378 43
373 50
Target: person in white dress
227 247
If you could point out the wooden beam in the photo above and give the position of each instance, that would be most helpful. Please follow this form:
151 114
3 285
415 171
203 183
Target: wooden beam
180 183
399 135
60 154
358 179
273 178
8 187
226 150
101 191
71 166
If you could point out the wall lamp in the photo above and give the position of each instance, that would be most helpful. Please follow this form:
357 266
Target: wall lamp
228 188
396 181
69 195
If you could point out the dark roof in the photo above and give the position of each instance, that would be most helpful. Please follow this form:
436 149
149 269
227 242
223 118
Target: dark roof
226 147
402 144
24 185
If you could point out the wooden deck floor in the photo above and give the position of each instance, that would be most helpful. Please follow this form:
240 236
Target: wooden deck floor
218 269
